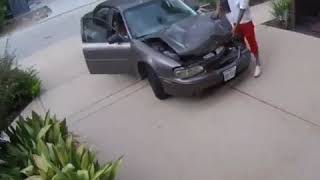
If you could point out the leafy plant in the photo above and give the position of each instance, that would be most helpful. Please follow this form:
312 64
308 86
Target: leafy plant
43 149
7 173
3 11
281 10
17 88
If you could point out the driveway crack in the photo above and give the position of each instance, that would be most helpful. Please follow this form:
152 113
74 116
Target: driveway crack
275 107
96 103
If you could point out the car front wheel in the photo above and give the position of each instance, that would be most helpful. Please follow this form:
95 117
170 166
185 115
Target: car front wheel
156 84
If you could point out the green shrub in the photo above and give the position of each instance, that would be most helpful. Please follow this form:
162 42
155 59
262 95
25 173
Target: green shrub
43 149
281 10
17 88
3 11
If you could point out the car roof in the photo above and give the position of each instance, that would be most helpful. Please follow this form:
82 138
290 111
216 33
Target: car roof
122 5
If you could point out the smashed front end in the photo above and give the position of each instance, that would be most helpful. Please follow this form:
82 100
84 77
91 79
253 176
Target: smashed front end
196 35
205 49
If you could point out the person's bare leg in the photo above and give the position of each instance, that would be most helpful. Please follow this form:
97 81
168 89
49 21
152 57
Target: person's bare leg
257 60
251 39
257 70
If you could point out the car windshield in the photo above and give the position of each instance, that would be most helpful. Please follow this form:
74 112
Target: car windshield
154 16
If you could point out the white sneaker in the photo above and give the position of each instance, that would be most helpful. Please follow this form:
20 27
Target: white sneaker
257 71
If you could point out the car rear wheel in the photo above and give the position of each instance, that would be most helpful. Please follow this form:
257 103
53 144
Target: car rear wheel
156 84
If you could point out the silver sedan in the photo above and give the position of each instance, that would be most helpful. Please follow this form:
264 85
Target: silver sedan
178 50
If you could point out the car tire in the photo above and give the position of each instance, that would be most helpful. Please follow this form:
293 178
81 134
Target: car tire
156 84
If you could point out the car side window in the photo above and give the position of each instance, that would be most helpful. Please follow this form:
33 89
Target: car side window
104 14
94 30
96 26
119 31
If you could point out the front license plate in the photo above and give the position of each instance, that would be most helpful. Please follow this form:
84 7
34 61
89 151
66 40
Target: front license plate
230 73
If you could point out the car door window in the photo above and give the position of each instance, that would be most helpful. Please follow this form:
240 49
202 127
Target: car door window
97 26
94 32
104 14
119 33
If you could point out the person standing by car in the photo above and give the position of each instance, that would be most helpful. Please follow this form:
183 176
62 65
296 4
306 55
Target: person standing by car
239 14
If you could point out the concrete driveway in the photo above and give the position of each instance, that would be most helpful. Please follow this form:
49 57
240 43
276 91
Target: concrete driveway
266 128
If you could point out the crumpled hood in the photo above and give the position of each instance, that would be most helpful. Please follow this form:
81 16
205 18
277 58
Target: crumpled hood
197 35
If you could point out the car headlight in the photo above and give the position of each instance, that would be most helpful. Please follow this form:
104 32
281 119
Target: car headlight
188 72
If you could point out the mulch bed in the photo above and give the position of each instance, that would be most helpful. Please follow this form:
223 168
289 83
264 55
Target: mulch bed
275 23
311 28
255 2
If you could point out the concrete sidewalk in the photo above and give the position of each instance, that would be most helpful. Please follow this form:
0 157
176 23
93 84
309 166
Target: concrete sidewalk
252 129
266 128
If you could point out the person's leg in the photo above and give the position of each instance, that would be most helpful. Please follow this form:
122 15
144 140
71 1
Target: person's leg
250 36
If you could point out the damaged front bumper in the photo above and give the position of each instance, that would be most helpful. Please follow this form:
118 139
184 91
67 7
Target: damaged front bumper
211 77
